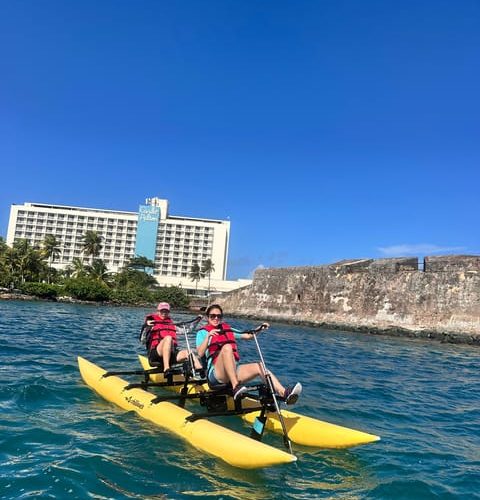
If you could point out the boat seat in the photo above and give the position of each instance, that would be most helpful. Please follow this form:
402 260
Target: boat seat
154 363
221 389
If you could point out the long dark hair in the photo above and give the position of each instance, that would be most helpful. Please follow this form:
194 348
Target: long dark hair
213 306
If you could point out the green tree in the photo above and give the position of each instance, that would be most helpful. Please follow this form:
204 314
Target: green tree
131 278
86 288
138 296
51 250
196 275
76 269
98 271
5 278
140 262
174 295
9 264
24 262
207 269
42 290
92 244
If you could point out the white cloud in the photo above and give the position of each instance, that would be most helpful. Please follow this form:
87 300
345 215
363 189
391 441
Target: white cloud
417 249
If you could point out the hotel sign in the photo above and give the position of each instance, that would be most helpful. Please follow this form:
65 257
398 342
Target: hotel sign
147 228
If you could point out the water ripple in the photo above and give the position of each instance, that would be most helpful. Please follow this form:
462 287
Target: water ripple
59 439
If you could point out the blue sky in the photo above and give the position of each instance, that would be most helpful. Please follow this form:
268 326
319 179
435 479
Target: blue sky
324 130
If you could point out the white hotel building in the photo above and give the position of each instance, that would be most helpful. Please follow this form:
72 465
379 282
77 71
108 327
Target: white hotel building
174 243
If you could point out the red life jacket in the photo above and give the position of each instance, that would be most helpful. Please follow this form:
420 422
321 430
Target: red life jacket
161 329
218 340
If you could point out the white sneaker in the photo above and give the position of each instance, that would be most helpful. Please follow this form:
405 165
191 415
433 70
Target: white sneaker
292 393
238 391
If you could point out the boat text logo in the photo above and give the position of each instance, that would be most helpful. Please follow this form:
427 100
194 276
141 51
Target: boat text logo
134 402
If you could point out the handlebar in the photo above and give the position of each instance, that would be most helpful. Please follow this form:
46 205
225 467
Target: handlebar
263 326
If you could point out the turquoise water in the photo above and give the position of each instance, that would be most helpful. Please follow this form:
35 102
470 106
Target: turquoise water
59 439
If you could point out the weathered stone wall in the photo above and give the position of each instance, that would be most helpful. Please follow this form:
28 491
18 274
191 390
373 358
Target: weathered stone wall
442 299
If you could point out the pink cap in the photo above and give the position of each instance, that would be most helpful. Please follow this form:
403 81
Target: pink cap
163 305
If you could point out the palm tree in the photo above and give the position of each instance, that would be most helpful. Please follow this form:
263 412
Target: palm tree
51 250
196 274
3 246
92 244
139 261
98 270
207 269
78 268
24 261
4 270
10 265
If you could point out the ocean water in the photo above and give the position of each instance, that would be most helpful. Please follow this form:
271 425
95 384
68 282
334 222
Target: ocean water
59 439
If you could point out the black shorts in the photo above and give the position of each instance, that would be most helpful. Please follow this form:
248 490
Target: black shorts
155 360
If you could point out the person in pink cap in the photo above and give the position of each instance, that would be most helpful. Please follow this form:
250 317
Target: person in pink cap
162 345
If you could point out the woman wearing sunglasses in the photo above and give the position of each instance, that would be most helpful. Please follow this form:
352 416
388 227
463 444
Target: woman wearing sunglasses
217 343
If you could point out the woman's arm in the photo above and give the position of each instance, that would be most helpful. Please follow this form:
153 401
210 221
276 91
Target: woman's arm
245 336
248 336
202 341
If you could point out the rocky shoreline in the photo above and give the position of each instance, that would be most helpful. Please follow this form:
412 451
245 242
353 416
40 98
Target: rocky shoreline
443 336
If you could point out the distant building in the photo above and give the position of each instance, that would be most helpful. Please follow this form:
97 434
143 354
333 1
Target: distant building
174 243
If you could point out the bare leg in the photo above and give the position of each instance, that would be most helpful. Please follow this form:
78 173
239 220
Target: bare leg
164 348
183 355
226 370
225 366
252 370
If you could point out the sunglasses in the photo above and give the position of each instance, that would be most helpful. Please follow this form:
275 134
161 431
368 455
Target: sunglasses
164 311
215 316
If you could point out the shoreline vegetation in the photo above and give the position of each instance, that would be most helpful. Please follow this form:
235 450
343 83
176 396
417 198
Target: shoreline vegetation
174 295
443 336
19 296
29 270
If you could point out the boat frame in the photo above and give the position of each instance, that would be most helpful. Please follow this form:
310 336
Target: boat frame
259 408
216 401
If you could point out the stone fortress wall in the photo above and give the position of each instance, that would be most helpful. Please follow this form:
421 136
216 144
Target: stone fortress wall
438 299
